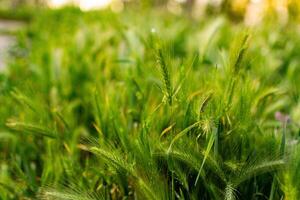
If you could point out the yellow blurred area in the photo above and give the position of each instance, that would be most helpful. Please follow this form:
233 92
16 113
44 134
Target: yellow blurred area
251 11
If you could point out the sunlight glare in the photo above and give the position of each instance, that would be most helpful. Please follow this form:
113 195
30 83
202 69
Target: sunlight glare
83 4
93 4
58 3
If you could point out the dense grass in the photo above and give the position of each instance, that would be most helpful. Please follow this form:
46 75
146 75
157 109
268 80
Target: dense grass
154 106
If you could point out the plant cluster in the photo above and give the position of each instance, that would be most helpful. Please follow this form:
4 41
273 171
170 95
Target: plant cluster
126 106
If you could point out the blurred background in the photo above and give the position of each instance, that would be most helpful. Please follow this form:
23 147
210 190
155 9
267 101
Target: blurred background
249 11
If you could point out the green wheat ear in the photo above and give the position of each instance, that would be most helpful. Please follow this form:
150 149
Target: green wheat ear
68 193
238 51
162 64
31 129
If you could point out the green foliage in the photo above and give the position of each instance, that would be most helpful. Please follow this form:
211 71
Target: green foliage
100 105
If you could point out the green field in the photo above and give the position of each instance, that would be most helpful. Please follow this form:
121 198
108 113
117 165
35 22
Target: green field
150 105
